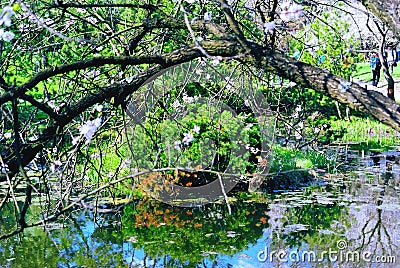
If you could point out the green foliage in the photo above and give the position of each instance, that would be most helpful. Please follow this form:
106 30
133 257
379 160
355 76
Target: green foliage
218 133
329 50
322 44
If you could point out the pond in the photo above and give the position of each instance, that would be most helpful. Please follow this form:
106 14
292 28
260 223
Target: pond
341 220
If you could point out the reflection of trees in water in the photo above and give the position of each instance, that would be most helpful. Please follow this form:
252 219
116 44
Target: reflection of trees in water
362 211
148 234
190 236
307 221
376 228
78 245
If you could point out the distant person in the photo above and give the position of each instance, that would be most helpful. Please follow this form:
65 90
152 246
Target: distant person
321 59
366 54
376 69
391 58
350 50
348 63
397 53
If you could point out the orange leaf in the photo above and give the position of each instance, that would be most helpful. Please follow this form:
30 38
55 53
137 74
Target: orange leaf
197 225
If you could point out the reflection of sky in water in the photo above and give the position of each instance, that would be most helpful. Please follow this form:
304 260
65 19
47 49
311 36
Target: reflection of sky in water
245 259
367 215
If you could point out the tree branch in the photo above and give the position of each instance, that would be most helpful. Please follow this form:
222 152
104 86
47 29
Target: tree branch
355 96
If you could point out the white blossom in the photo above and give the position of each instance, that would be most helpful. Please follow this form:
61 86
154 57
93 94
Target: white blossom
98 107
290 11
6 35
249 126
298 135
5 17
187 138
75 140
208 16
4 168
176 104
285 13
269 26
196 129
129 79
177 144
55 165
187 99
292 84
126 163
92 20
296 11
7 135
93 73
6 21
216 60
89 128
254 150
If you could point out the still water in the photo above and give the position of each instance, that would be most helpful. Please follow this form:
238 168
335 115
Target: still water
346 219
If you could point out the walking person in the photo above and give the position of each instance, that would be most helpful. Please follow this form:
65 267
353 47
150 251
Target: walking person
376 69
391 58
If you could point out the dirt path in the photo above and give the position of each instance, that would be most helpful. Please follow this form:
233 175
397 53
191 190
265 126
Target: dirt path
382 86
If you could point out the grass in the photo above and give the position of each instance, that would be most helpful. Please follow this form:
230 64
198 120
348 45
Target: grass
369 133
365 134
285 159
364 73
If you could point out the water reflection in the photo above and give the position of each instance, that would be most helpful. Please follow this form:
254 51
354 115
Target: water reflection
356 212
